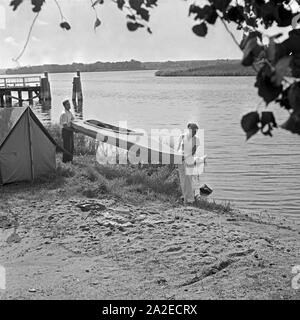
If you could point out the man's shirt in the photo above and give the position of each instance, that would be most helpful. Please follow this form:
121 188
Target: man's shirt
66 118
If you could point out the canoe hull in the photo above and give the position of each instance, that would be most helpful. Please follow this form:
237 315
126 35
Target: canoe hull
141 149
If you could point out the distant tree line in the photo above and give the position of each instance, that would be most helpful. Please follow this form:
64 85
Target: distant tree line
207 68
92 67
221 67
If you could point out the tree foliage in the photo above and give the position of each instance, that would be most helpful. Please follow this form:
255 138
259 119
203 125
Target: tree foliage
276 61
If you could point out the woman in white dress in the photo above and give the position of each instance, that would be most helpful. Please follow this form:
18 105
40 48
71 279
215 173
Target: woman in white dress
188 144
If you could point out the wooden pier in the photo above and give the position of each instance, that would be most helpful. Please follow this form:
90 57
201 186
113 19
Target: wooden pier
13 88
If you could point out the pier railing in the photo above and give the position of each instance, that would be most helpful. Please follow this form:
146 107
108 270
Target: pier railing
20 82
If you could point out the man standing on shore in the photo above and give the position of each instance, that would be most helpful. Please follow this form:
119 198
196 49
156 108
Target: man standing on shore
65 121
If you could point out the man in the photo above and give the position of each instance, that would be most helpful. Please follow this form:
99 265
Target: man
65 121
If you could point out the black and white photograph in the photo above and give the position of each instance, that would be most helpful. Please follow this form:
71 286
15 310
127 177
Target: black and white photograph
149 151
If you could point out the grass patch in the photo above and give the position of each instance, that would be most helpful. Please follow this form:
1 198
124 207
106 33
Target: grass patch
131 183
86 177
205 204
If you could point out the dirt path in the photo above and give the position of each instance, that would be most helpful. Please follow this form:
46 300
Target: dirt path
101 249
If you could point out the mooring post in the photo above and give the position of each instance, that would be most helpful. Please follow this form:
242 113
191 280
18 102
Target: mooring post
20 98
74 91
30 97
77 89
48 86
8 99
45 92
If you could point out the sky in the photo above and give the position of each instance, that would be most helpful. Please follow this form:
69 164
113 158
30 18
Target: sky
172 37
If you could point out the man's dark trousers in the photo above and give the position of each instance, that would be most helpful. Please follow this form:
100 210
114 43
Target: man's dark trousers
68 141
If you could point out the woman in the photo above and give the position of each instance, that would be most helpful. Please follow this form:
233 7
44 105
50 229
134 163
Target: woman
188 144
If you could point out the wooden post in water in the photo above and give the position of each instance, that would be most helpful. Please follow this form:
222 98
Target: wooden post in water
77 89
30 97
8 99
45 93
20 98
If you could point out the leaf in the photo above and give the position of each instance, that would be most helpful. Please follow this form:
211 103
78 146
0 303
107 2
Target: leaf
267 121
144 13
37 5
294 96
271 50
295 21
200 29
135 4
284 18
15 4
221 5
281 70
207 13
201 13
251 21
150 3
131 16
266 88
283 100
65 25
251 50
133 26
292 124
295 65
193 9
97 23
120 4
212 18
235 14
291 46
250 123
268 12
254 34
97 2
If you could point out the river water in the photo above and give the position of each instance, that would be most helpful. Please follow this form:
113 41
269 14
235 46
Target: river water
262 174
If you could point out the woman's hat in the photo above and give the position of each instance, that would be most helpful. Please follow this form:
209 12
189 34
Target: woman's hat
192 126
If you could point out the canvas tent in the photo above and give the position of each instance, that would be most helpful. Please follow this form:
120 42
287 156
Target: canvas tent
27 150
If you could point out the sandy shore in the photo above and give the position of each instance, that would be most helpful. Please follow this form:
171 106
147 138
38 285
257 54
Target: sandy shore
60 246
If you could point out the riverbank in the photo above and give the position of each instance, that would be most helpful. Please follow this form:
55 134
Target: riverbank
218 68
99 232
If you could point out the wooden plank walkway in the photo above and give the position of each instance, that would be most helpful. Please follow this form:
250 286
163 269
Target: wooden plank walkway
18 83
34 86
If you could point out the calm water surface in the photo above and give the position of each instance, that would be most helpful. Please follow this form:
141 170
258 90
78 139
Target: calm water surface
263 174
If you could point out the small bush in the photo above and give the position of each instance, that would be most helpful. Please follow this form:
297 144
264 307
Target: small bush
65 170
95 190
96 185
92 174
113 171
